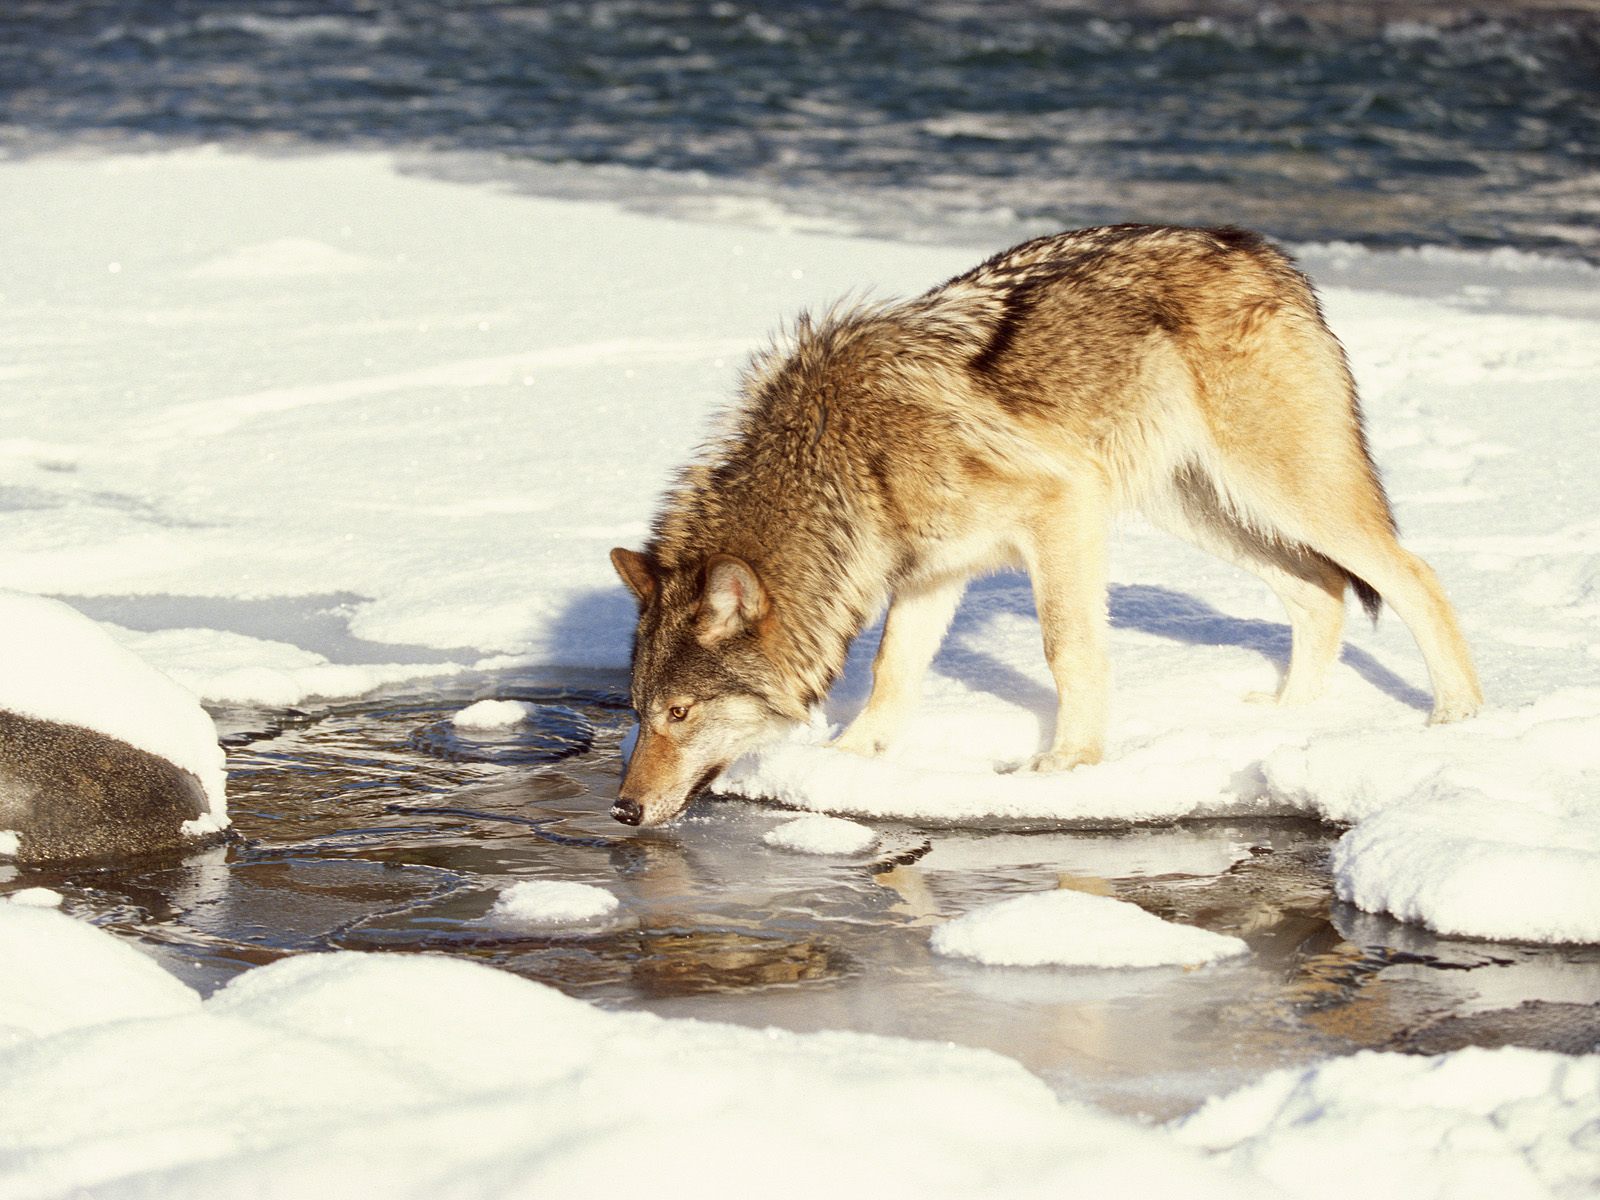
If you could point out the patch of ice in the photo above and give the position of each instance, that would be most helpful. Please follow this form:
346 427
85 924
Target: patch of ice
1068 928
60 666
493 714
552 902
10 843
816 834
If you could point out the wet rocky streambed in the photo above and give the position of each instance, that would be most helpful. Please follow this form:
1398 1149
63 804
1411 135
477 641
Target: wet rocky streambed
376 825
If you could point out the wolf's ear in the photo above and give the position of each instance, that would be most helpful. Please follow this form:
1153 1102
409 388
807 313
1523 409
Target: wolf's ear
637 571
731 601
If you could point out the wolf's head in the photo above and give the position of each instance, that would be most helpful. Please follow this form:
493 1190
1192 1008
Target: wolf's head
705 686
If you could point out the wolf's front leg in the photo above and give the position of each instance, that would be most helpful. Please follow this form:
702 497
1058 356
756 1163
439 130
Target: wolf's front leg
912 630
1067 563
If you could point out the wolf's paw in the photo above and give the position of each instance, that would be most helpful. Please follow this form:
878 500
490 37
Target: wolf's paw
1455 709
1063 760
868 743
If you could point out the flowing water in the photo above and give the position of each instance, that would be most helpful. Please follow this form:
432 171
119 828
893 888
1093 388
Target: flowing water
949 120
378 826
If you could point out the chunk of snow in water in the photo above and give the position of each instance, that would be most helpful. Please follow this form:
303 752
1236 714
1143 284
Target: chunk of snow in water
493 714
1068 928
10 843
552 902
816 834
36 897
61 666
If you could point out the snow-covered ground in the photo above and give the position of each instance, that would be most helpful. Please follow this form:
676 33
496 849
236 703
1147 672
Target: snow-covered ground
301 427
417 1076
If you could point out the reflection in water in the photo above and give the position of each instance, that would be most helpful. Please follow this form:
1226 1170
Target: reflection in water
374 826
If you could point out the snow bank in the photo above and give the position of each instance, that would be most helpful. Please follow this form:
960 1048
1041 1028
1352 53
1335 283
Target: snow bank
61 666
1490 1123
58 974
1075 929
822 835
367 425
552 902
359 1072
493 714
353 1072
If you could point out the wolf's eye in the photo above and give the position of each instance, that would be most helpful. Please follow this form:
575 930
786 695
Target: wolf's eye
678 712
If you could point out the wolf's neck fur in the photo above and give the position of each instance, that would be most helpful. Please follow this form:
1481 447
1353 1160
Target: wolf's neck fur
822 564
801 486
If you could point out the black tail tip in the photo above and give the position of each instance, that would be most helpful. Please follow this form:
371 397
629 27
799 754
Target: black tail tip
1371 602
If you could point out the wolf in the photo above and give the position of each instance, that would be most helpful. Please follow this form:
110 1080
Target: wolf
885 454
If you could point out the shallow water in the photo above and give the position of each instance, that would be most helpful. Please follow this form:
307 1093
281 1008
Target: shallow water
376 826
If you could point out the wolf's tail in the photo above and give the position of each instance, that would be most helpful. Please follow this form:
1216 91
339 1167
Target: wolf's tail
1371 602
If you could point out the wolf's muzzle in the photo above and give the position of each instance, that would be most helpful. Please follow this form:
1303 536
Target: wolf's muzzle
627 812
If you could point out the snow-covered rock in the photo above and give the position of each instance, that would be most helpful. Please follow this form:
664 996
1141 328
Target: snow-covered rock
100 753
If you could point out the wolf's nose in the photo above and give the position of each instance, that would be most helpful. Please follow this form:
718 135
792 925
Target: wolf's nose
627 812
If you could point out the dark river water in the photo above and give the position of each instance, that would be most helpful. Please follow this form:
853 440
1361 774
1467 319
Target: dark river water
945 120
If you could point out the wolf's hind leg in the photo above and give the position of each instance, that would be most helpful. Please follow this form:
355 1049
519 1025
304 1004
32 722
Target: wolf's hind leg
912 630
1334 505
1067 563
1314 600
1409 586
1310 587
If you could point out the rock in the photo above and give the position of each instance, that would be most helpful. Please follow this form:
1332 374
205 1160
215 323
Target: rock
101 755
70 793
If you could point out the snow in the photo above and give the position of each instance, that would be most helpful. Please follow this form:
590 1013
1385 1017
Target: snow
36 897
60 666
822 835
353 1071
493 714
1076 929
62 974
233 668
552 902
1476 1123
321 426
